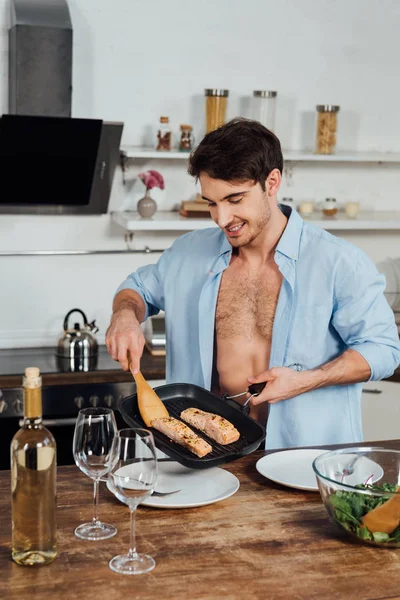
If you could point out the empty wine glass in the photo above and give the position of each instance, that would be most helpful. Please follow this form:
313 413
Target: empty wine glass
95 431
132 479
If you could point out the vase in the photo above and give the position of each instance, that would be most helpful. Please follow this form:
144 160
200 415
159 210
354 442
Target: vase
146 206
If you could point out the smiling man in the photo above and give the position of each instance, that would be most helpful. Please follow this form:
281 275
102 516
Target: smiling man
263 297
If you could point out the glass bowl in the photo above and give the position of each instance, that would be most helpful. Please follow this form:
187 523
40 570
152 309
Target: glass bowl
360 489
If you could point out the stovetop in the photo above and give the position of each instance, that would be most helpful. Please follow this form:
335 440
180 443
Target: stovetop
14 361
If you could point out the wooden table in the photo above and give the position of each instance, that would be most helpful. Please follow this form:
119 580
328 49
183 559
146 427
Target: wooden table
266 542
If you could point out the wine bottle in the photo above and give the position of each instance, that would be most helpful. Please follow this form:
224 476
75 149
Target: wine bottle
33 481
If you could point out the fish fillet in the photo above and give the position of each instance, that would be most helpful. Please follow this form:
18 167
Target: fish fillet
183 435
216 427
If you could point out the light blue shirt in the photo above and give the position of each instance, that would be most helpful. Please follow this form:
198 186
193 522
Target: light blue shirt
331 299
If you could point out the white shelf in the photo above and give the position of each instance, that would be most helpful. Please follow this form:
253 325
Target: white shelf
288 155
172 221
150 153
161 221
356 157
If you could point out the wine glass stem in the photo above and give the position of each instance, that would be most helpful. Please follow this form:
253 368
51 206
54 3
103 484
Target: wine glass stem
96 502
132 550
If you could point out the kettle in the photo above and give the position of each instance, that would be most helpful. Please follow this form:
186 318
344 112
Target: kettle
78 342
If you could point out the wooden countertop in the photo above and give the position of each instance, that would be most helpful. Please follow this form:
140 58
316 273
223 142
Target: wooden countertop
265 542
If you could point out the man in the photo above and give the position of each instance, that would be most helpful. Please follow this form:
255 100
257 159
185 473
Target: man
264 297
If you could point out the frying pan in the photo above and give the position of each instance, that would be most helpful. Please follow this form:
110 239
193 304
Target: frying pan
179 396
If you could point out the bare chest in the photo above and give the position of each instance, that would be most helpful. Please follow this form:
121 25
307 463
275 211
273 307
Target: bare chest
246 303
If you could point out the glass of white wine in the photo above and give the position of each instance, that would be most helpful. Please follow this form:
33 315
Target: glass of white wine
132 479
95 431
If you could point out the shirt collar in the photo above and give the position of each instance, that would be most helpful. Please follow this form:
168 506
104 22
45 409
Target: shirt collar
290 239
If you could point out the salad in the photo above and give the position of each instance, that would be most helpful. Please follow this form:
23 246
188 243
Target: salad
348 509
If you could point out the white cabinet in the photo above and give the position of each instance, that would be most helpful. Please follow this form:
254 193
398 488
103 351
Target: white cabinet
380 405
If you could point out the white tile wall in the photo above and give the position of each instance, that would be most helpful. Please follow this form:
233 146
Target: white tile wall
136 60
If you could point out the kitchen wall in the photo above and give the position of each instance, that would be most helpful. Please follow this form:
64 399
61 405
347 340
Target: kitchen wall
135 60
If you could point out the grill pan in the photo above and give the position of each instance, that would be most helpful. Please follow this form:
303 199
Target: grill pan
177 397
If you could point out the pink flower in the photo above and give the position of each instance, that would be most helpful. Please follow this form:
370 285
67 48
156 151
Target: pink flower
152 179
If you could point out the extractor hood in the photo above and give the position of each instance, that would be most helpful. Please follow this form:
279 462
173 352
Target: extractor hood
50 162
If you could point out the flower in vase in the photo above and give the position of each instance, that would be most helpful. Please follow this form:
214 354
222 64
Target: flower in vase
152 179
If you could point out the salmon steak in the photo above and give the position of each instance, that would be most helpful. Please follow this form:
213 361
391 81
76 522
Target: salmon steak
217 428
182 434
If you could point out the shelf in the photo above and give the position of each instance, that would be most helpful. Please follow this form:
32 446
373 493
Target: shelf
355 157
289 155
172 221
162 221
150 153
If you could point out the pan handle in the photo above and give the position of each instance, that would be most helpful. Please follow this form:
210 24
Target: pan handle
257 388
243 409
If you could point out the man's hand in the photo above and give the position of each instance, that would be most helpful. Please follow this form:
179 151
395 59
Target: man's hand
282 383
125 339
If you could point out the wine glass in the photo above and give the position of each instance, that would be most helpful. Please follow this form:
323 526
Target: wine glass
132 479
95 431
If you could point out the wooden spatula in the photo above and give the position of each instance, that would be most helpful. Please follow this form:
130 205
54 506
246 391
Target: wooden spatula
150 405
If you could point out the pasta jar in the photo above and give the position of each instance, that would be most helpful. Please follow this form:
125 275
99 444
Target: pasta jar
264 107
216 103
326 128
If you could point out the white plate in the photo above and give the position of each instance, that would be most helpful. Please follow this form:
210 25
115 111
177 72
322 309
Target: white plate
197 487
293 468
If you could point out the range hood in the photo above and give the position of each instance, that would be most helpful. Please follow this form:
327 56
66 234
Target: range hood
50 162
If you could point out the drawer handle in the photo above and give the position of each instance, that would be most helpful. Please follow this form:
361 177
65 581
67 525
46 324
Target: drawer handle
375 391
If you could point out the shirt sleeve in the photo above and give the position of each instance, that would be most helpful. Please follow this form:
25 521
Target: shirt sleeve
148 281
364 320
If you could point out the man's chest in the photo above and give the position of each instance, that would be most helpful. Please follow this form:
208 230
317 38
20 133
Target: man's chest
247 303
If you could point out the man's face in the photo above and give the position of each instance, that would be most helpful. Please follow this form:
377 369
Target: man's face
241 210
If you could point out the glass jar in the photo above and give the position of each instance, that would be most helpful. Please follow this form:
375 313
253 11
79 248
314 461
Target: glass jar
352 208
186 142
306 207
263 108
164 135
326 128
330 207
216 103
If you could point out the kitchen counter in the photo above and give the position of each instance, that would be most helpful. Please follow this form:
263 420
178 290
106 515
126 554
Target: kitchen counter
266 541
152 367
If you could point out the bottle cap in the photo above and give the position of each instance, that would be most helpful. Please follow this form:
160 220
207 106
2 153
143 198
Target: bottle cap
327 108
32 372
264 94
216 92
164 119
32 378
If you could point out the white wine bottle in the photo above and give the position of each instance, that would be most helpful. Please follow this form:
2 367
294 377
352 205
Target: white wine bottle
33 481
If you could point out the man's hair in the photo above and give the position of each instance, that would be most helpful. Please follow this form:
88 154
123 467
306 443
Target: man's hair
240 150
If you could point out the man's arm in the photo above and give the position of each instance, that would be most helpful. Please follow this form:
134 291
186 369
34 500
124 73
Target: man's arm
131 301
365 322
283 383
124 337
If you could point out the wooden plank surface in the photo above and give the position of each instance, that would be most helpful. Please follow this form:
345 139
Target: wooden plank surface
265 542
